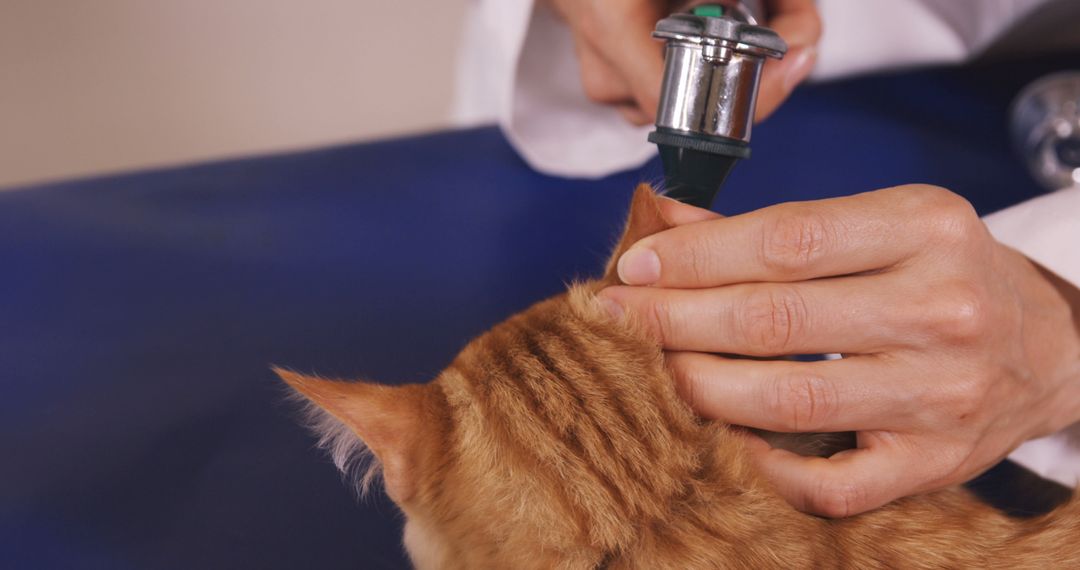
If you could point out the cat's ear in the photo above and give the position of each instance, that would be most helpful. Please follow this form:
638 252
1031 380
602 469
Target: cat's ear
644 220
388 419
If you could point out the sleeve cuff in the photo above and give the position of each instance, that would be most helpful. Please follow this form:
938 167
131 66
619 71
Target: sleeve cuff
1045 229
552 123
1055 457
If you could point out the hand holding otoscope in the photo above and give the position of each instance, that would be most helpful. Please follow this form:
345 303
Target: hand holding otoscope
622 65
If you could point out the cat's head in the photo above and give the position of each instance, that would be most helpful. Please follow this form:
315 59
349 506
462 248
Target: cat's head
547 442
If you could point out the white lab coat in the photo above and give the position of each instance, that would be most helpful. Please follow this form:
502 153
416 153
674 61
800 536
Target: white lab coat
518 68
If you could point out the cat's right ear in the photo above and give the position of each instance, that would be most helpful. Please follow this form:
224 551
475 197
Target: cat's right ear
389 419
645 219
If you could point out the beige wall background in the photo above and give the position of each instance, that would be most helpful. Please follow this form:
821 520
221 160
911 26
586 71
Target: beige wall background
110 85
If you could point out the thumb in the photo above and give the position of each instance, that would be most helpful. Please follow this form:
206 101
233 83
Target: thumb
638 56
848 483
681 214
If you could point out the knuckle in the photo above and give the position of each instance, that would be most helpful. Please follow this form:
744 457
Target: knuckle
795 240
687 379
662 321
802 402
771 318
837 498
951 217
961 314
699 258
927 197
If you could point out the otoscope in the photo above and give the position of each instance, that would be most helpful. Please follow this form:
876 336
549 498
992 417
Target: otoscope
713 61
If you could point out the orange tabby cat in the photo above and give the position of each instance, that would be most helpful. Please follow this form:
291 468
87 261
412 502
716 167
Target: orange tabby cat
556 440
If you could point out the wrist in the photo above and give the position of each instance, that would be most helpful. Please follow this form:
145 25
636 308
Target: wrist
1051 331
1069 294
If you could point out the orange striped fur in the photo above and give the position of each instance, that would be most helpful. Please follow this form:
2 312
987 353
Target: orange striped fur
556 441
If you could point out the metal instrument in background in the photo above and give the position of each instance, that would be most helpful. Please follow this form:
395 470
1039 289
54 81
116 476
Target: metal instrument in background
713 62
1046 129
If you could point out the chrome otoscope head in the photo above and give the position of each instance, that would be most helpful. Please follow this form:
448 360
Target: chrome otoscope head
713 62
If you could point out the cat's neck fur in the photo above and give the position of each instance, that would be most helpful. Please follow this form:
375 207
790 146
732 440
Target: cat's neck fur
623 475
626 469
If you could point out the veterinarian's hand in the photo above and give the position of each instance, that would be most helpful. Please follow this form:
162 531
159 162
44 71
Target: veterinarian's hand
621 64
957 348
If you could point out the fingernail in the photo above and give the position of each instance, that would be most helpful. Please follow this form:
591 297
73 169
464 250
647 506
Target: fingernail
613 308
802 63
639 266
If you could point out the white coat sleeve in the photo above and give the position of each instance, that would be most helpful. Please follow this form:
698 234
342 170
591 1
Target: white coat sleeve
535 93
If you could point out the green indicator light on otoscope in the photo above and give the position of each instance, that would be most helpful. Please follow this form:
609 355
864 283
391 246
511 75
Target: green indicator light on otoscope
709 11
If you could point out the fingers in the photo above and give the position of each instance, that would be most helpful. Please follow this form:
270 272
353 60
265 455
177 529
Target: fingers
786 242
847 483
798 22
791 397
621 64
850 315
602 82
639 57
634 115
780 77
680 214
